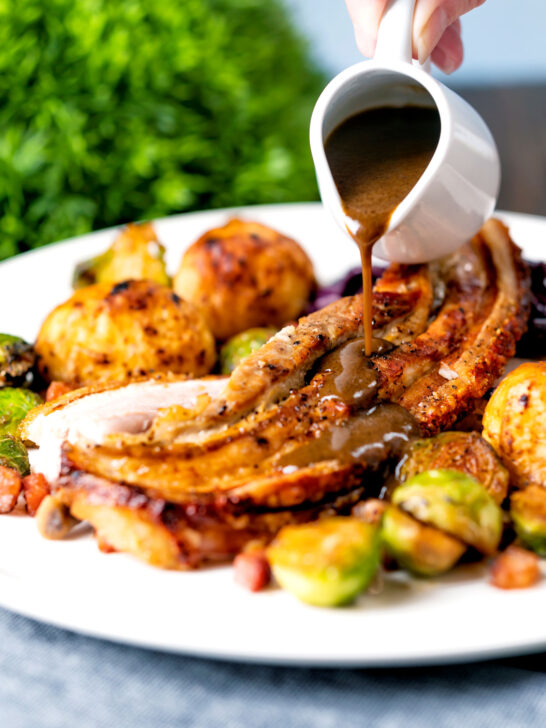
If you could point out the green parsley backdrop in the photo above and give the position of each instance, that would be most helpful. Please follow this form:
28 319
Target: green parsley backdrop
120 110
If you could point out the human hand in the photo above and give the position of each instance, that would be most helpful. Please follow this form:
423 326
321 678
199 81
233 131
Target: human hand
436 28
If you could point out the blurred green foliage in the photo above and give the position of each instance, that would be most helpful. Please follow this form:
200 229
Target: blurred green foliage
113 111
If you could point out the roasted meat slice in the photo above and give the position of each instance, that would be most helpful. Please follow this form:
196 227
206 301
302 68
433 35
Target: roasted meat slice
92 413
402 302
472 367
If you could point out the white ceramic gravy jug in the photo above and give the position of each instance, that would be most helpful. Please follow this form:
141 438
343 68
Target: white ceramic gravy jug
458 190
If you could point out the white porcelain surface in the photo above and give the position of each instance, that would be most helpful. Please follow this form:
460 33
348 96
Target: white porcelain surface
458 190
71 584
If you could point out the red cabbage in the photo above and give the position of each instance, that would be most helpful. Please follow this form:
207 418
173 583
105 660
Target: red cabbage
533 343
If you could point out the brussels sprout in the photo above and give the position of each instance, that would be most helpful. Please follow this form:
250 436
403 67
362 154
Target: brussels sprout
328 562
453 502
466 452
242 345
135 254
13 454
17 359
14 406
528 512
424 550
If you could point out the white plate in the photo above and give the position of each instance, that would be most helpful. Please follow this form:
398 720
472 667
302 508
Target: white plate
72 585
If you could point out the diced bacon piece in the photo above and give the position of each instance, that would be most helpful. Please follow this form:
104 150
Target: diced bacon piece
10 487
56 390
369 511
252 571
515 568
35 489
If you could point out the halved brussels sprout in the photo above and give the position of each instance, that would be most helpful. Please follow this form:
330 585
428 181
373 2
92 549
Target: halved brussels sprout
422 549
14 406
242 345
466 452
13 454
453 502
136 254
328 562
528 512
17 359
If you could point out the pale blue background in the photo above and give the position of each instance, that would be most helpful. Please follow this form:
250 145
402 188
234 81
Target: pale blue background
505 40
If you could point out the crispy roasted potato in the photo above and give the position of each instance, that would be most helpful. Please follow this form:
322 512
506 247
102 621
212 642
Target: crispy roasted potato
114 334
245 275
514 423
135 254
466 452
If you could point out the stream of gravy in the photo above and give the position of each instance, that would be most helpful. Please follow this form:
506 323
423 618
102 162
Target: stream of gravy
376 158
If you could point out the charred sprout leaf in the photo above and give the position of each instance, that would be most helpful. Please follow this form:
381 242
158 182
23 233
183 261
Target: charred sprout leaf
14 406
242 345
326 563
17 359
13 454
136 254
466 452
455 503
422 549
88 272
528 512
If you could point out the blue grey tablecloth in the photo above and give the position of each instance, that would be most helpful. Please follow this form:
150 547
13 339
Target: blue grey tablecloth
52 678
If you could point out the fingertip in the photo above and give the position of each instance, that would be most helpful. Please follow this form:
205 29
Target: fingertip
449 53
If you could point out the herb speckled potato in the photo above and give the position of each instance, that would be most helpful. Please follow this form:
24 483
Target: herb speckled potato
244 275
114 334
514 423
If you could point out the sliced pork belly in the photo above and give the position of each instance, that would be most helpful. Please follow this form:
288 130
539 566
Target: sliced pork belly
93 413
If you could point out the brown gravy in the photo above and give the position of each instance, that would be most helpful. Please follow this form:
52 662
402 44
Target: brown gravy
376 157
370 436
352 377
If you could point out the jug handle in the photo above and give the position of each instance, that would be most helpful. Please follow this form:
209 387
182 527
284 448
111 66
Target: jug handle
395 33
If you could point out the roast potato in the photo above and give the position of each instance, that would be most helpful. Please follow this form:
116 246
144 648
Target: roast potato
514 422
114 334
245 275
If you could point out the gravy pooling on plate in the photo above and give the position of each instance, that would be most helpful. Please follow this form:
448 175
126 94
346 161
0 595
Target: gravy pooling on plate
376 157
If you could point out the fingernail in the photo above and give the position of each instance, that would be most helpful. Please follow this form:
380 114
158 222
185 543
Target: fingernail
445 62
